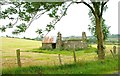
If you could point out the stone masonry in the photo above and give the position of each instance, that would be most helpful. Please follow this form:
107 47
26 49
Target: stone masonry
67 44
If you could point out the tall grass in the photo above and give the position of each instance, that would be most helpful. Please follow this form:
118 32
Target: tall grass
64 52
82 67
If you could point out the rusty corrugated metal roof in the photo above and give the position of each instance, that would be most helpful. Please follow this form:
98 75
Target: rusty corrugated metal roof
49 39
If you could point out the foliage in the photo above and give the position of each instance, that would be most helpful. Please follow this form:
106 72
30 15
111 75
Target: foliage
92 40
21 28
92 27
39 31
114 36
27 12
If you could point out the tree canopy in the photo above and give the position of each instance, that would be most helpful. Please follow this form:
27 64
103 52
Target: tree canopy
27 12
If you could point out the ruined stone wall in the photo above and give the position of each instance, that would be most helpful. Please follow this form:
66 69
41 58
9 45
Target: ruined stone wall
68 44
84 37
46 45
74 43
59 41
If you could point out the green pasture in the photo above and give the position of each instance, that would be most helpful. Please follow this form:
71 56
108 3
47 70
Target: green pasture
109 66
34 59
13 44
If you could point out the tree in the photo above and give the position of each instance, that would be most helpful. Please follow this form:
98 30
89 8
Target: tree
30 11
97 11
92 27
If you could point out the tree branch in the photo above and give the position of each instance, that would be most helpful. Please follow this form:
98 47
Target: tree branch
32 19
39 15
102 7
16 21
89 7
35 16
61 16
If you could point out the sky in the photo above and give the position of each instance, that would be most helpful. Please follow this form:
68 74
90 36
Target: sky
74 23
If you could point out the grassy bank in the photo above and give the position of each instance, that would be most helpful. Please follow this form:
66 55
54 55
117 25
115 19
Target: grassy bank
63 52
82 67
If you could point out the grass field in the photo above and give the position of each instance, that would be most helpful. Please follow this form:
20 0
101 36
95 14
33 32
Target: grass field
95 67
31 55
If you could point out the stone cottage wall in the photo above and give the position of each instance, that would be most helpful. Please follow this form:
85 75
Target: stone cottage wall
74 43
48 45
59 41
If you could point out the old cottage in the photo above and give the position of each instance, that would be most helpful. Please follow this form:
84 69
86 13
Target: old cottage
51 43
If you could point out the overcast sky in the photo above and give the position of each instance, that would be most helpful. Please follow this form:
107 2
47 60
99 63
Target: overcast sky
74 23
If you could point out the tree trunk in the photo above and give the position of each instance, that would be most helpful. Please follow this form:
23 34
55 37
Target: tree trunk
100 41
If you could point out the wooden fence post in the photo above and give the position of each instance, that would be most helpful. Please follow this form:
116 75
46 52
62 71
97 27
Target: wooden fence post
60 59
18 57
112 53
114 49
74 54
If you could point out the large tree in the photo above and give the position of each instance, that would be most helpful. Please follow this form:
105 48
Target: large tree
30 11
92 26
